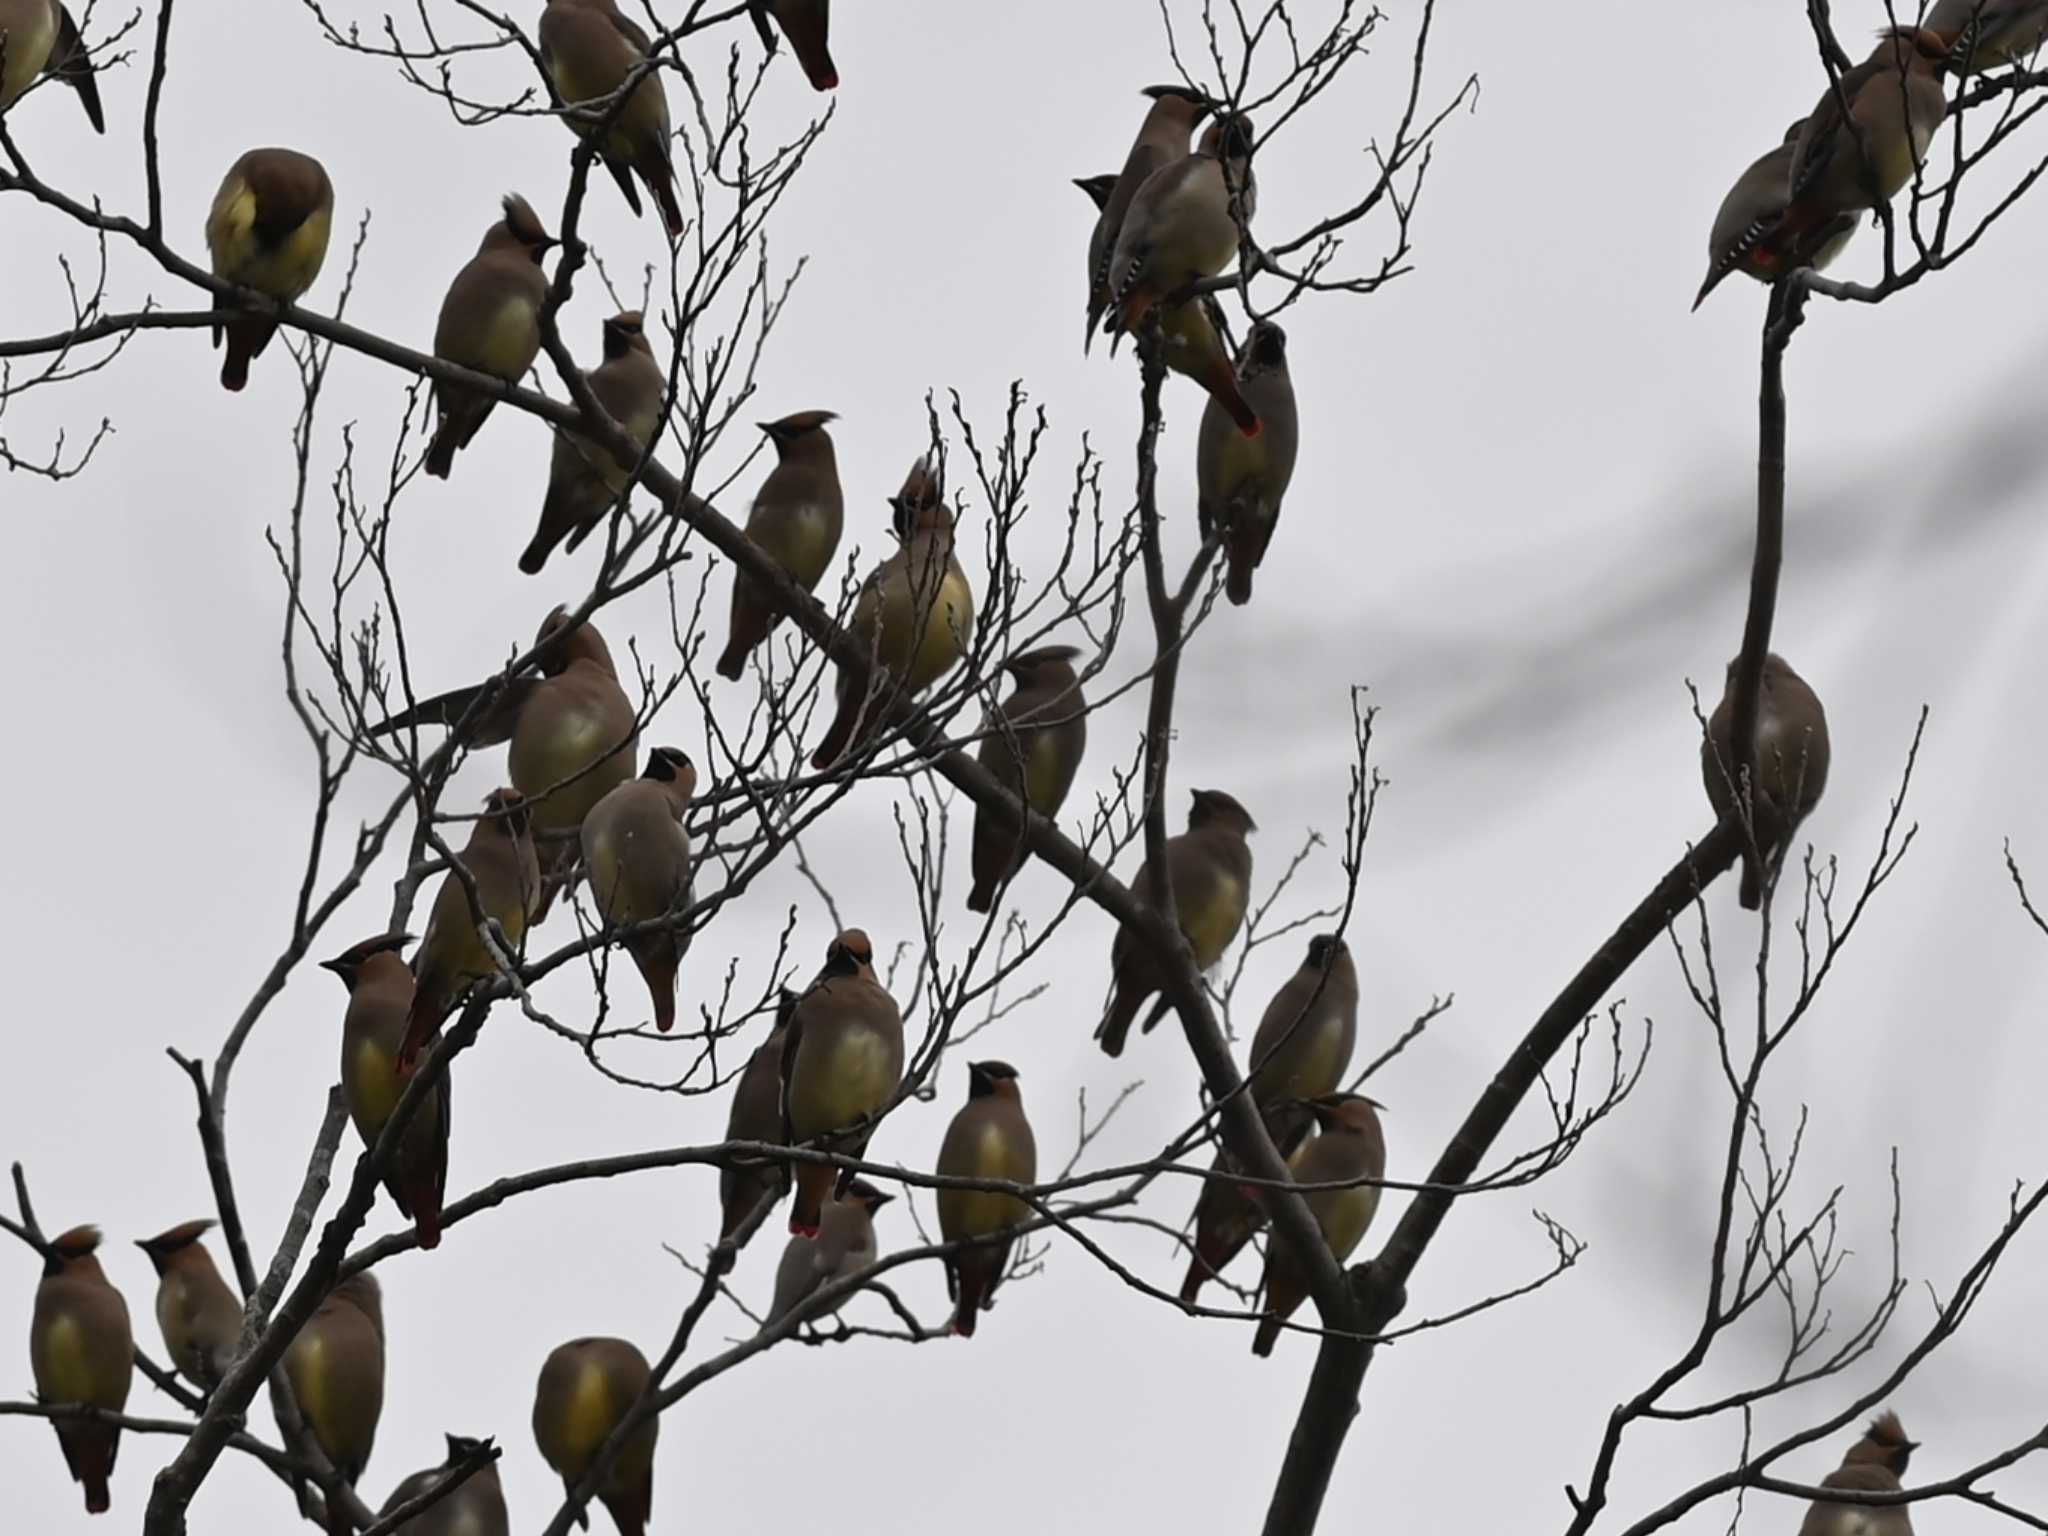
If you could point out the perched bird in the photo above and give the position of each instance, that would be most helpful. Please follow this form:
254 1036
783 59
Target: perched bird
1194 345
805 23
1895 105
586 1387
475 1508
1989 33
914 617
40 38
845 1245
1791 766
1184 224
1034 747
1350 1146
380 998
584 479
636 857
796 518
1241 480
1874 1464
590 48
1226 1215
572 730
199 1316
490 323
81 1351
756 1115
1209 867
1752 210
1162 139
990 1138
1307 1033
336 1369
499 857
267 230
841 1062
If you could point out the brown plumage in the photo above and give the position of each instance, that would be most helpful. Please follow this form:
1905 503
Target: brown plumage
1240 480
380 998
267 230
1792 766
1873 1464
584 480
1849 165
756 1115
1307 1034
1209 867
806 23
81 1351
1226 1215
590 49
913 619
199 1317
586 1387
572 730
490 323
1989 34
842 1061
1162 138
990 1138
41 39
845 1245
1185 223
1033 746
636 857
1350 1145
500 859
1752 210
476 1508
336 1369
796 519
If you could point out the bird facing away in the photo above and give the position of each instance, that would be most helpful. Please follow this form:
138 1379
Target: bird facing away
499 857
636 857
1162 139
841 1063
573 735
199 1317
1209 868
267 231
1349 1146
586 1388
40 38
584 480
1989 33
590 48
1307 1034
796 519
806 24
476 1508
914 617
1033 746
1895 105
380 998
1226 1215
80 1350
490 323
336 1370
845 1245
1874 1464
1791 771
990 1138
756 1115
1184 224
1240 481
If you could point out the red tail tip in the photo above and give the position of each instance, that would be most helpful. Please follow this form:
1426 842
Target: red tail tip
802 1229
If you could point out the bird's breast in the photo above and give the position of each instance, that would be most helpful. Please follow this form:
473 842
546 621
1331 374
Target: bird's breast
64 1363
28 50
1210 925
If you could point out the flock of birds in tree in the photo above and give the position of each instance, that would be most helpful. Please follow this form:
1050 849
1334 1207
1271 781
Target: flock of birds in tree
1173 217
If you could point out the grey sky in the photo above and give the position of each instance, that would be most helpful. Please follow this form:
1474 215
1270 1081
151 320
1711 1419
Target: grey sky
1521 516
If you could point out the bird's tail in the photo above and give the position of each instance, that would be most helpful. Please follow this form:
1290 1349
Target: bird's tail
1199 1275
1115 1027
661 182
1223 389
840 736
247 336
813 1184
1268 1334
441 454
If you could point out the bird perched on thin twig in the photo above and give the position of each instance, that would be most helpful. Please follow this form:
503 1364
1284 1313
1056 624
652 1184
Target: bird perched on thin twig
591 49
586 1387
1752 209
1241 480
199 1317
1186 223
585 480
490 323
990 1138
1791 767
268 231
842 1061
475 1508
1170 121
80 1350
636 857
1873 1464
796 518
1033 745
1349 1147
845 1245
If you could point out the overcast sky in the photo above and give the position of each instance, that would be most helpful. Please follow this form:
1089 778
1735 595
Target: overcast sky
1522 518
